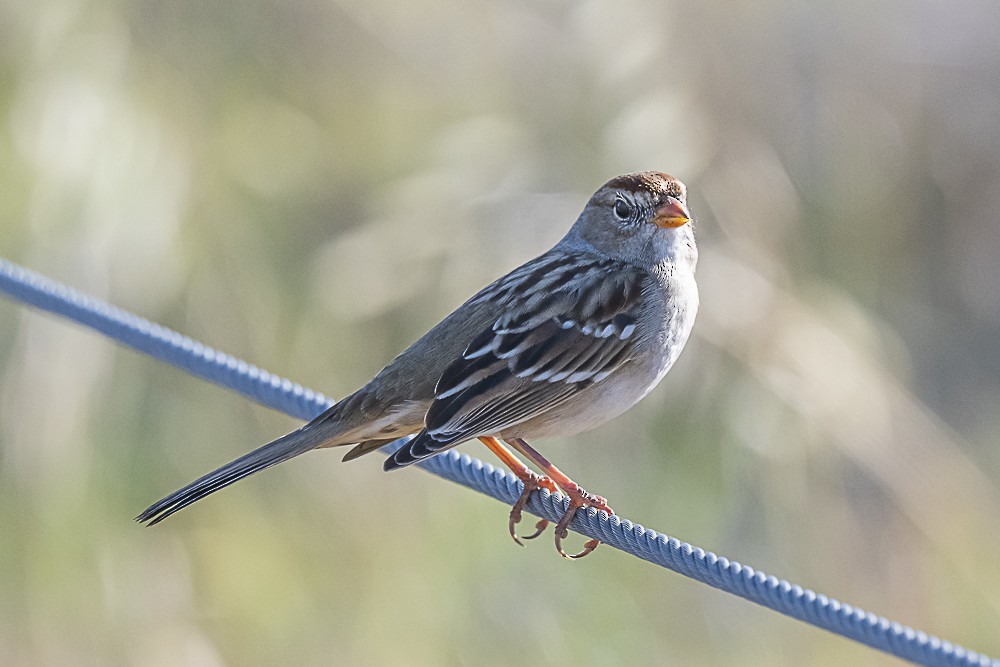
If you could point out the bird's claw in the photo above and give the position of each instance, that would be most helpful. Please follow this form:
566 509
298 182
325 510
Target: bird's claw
553 480
578 498
532 483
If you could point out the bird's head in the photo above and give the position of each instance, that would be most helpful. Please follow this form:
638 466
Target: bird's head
639 218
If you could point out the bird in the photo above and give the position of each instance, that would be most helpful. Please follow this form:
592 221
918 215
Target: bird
558 346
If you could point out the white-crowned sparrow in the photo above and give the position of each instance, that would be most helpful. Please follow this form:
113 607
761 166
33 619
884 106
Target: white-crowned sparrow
557 346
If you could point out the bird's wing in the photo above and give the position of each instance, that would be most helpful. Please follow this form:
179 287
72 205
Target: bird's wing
567 323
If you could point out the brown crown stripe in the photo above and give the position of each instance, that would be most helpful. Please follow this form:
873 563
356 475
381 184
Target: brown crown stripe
651 181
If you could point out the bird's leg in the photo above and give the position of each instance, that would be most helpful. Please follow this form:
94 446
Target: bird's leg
578 497
531 481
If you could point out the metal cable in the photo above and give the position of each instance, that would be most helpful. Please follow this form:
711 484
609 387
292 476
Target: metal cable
290 398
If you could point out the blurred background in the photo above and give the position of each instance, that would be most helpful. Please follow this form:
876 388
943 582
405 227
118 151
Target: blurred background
310 185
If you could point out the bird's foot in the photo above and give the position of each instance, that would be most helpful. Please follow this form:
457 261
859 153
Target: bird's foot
532 482
553 480
578 498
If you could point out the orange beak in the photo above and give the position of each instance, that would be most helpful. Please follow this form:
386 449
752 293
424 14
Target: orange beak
672 214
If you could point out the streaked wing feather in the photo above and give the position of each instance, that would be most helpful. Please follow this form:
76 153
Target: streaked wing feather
479 413
535 399
567 323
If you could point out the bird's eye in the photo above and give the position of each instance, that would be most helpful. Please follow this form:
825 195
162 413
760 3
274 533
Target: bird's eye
623 210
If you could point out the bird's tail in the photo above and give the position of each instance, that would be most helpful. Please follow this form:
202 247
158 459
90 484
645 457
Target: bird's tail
308 437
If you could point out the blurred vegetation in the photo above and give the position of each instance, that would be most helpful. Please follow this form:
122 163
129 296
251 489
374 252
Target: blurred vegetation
311 185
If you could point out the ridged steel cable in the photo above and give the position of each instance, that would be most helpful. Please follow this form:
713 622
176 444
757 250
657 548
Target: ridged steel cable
290 398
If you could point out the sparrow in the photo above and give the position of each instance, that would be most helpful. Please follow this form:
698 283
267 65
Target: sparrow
556 347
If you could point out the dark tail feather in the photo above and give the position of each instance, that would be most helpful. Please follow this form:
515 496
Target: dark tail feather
286 447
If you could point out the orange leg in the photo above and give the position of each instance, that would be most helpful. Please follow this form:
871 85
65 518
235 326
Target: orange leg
531 483
577 496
